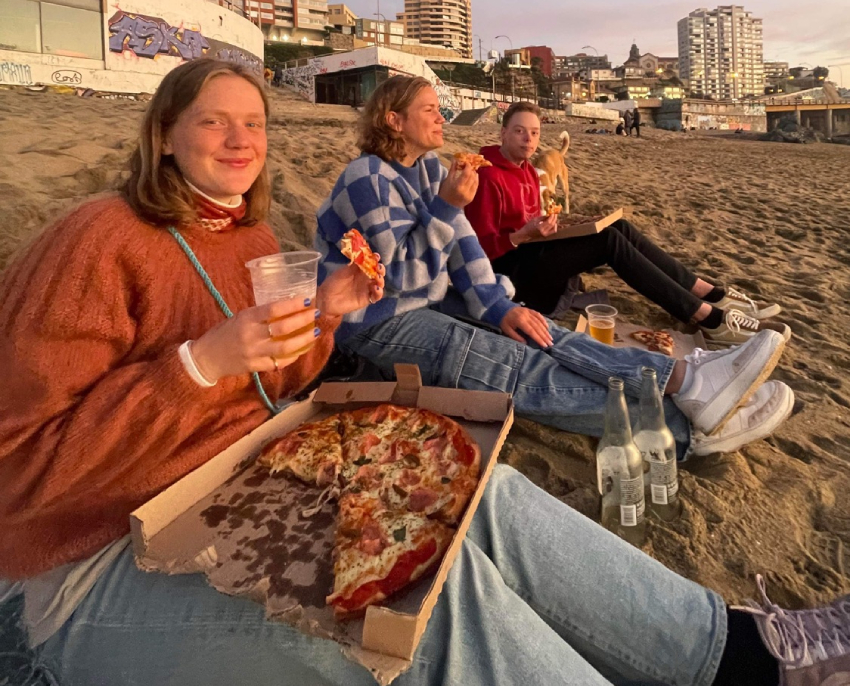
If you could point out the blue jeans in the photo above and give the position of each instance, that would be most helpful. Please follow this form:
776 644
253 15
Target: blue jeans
539 594
564 386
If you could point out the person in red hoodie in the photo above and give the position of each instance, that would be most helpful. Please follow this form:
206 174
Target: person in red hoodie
506 216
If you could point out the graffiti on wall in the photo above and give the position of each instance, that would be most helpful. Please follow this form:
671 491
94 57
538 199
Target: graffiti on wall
150 37
449 101
67 77
303 79
12 72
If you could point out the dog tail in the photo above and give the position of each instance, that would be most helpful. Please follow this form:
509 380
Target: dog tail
565 142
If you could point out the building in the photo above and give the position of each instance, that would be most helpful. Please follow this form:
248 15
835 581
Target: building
340 15
721 52
567 65
546 56
118 50
597 75
301 21
389 33
661 66
446 23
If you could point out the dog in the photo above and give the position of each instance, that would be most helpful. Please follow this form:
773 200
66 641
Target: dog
552 168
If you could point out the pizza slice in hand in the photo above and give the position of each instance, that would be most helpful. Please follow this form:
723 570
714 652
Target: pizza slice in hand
355 248
470 159
311 453
379 551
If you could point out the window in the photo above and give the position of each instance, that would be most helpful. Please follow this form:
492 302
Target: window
19 26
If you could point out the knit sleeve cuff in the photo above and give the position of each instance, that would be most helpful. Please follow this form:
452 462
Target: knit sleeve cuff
497 311
443 211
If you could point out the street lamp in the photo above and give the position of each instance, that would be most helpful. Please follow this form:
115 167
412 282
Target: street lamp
509 66
590 47
386 27
840 71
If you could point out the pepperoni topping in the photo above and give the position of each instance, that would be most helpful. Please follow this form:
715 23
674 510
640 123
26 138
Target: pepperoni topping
371 541
422 498
369 442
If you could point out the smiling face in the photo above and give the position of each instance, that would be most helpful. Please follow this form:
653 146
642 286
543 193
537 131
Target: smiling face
219 141
421 125
521 137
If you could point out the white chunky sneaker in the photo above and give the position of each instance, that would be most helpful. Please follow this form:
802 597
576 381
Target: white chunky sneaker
811 646
725 379
761 416
738 327
738 300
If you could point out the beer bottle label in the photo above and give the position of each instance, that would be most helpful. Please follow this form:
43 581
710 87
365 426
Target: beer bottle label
664 484
631 501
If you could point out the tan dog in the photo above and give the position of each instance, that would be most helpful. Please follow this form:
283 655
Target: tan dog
551 168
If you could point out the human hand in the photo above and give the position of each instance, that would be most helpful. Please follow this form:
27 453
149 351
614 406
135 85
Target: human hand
459 187
537 227
259 339
521 320
349 289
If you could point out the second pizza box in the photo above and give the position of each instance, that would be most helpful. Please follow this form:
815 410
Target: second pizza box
573 225
683 343
233 521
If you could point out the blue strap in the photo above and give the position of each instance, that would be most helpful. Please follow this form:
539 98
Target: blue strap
223 305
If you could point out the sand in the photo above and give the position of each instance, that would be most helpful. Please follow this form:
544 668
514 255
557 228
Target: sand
769 217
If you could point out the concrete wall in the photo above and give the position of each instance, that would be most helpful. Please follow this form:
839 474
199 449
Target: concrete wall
674 115
591 111
143 41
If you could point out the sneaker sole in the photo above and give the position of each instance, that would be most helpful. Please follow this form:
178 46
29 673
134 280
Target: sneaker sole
785 333
766 371
736 442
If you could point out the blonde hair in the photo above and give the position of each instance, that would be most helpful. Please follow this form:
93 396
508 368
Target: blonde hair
156 189
375 135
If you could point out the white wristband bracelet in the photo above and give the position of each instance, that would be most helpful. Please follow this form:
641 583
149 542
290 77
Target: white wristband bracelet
188 360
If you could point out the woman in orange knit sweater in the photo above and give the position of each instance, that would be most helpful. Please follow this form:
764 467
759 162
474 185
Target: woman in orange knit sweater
121 372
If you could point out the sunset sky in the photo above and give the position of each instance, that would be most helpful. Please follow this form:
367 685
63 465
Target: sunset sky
815 33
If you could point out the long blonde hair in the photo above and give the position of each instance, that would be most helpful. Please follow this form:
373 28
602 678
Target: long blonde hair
376 136
156 190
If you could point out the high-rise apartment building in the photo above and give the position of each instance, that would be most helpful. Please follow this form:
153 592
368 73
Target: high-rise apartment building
721 52
447 23
289 20
567 65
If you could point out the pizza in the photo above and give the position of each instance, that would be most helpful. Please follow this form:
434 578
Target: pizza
656 341
472 160
356 249
553 208
404 477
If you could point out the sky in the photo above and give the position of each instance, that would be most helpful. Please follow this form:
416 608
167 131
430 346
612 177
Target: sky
815 33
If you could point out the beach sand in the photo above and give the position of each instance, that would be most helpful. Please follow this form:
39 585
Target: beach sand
771 218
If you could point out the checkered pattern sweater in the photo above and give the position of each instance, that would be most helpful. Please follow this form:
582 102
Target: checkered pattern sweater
424 242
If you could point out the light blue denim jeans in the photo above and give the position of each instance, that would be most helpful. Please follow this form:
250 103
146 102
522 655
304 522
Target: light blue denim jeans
538 595
564 386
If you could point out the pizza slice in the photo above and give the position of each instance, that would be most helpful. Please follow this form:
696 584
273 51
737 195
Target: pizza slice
472 160
355 248
554 208
655 341
379 551
311 453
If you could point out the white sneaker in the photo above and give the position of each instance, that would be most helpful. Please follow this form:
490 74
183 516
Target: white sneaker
725 379
738 327
761 416
738 300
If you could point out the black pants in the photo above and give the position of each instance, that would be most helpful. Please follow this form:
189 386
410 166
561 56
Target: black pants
540 271
636 127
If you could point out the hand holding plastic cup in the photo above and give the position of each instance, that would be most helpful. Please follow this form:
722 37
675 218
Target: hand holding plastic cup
285 276
601 321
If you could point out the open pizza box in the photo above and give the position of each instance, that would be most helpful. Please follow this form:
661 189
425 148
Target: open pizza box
243 527
573 225
684 343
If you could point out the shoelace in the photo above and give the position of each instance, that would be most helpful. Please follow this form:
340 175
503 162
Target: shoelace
737 320
799 638
734 294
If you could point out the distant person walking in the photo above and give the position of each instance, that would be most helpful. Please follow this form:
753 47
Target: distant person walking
628 119
636 121
278 76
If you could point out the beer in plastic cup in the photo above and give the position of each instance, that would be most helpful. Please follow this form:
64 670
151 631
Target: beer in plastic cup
601 320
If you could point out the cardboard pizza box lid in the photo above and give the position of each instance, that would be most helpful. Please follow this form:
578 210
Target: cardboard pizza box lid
187 528
572 229
684 343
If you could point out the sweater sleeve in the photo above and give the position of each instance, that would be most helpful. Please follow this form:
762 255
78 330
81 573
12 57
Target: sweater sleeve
83 411
414 244
485 215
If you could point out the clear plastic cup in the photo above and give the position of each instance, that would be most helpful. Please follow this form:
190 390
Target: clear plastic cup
284 276
601 320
